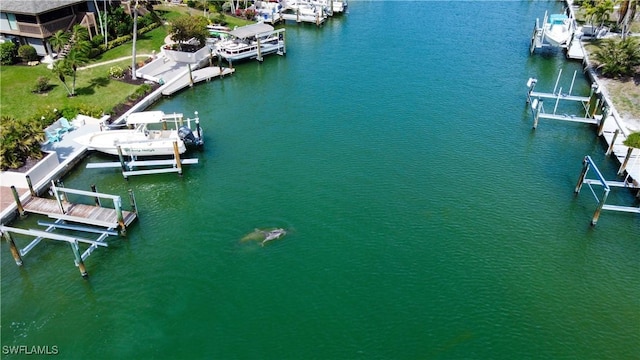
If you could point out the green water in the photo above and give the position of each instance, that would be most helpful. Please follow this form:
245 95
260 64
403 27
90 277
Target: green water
426 219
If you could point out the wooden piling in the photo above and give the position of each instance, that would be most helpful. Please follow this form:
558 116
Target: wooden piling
14 249
190 76
583 175
97 199
259 57
117 204
613 142
605 114
31 191
123 165
78 258
16 197
596 214
537 114
132 200
623 167
176 154
56 193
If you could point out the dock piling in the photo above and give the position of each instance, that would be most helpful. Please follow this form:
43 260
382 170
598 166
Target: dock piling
97 199
623 167
78 259
31 191
16 198
613 142
177 157
583 175
13 247
132 200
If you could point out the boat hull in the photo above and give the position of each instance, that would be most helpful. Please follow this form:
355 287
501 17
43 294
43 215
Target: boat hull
133 143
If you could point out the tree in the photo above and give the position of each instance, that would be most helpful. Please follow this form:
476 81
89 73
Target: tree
187 27
618 57
59 40
76 58
599 11
60 71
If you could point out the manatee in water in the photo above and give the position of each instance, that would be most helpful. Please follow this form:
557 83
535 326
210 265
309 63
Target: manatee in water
265 235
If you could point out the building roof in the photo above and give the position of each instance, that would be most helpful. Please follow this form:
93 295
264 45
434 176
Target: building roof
34 7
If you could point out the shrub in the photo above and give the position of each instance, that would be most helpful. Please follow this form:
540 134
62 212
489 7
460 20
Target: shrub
191 3
97 40
7 53
42 84
27 53
93 52
116 72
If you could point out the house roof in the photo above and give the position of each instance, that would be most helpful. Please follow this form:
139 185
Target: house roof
34 7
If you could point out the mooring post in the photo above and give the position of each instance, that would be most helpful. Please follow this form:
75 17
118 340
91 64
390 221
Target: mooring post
596 215
220 64
298 15
78 258
592 97
595 108
14 249
623 167
583 175
117 203
123 165
605 115
537 114
164 124
97 199
190 76
56 193
531 84
31 191
132 199
16 197
176 154
259 57
613 142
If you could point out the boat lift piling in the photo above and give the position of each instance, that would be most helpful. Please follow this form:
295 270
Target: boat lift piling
587 164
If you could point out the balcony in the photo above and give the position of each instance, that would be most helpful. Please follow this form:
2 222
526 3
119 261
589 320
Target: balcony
44 30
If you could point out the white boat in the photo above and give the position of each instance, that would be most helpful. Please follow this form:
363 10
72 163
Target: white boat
251 41
558 29
139 140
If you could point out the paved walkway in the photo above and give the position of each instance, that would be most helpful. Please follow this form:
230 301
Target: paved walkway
113 61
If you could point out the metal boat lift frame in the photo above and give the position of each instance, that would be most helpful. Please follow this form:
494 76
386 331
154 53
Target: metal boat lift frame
606 186
589 103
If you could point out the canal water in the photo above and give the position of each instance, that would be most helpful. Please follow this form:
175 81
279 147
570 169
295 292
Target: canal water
425 218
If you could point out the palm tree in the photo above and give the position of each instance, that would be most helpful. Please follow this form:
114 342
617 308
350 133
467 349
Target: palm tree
59 40
618 57
60 70
135 38
73 60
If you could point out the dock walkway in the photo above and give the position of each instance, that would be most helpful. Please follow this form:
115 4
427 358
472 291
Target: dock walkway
199 75
80 213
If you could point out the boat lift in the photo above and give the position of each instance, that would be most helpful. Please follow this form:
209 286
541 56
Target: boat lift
146 167
538 35
606 186
94 219
590 103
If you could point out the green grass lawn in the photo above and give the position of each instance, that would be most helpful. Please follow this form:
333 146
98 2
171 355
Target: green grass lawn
93 86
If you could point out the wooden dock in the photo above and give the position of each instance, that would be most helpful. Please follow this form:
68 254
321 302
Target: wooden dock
79 213
96 215
194 77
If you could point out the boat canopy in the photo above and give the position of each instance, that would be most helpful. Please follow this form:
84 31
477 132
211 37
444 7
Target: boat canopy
145 117
251 30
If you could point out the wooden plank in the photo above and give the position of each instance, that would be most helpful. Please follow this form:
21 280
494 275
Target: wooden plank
80 213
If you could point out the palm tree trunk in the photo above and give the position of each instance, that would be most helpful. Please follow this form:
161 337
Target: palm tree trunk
135 37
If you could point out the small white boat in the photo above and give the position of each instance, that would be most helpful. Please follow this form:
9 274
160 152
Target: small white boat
251 41
558 29
140 140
